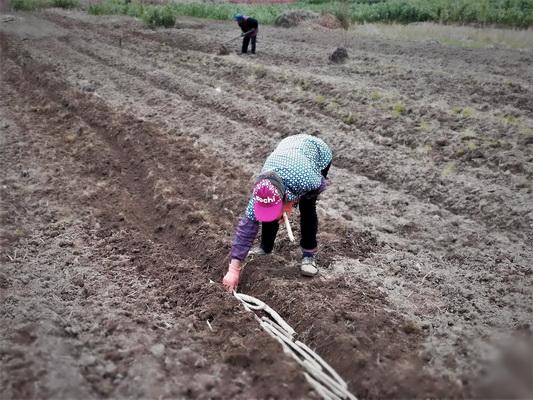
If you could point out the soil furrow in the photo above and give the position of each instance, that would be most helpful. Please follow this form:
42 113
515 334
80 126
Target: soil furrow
340 93
126 214
431 235
373 170
121 162
417 234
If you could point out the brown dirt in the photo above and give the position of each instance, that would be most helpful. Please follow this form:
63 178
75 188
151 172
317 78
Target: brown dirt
223 50
339 56
127 157
292 18
329 21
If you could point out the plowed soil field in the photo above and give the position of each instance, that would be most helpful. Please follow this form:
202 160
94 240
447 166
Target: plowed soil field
127 157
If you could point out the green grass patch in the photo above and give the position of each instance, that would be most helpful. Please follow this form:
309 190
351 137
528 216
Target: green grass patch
375 96
502 12
349 119
398 108
471 146
265 14
116 7
468 134
29 5
344 14
65 3
320 100
332 107
509 119
525 131
424 125
465 112
468 112
449 169
159 16
457 109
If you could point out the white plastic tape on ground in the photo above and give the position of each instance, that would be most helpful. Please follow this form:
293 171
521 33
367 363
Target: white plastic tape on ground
318 373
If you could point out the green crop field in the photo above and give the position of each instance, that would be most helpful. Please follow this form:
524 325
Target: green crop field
514 13
518 13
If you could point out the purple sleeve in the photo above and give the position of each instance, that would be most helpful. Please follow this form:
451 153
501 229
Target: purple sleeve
245 234
323 185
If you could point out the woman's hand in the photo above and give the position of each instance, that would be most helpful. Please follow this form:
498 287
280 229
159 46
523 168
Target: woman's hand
231 279
288 207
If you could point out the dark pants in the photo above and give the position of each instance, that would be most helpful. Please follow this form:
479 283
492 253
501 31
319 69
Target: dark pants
308 222
246 41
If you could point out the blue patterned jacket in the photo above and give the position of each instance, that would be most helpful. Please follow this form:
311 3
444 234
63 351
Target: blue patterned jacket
298 160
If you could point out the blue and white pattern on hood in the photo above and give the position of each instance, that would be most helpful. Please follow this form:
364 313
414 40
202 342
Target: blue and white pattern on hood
298 160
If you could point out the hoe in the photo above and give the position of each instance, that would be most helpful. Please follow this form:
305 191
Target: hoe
223 48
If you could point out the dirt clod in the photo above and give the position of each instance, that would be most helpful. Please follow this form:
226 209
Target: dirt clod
158 350
223 50
293 18
339 56
329 21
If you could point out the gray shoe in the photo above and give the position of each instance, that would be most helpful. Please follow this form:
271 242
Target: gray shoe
308 267
257 251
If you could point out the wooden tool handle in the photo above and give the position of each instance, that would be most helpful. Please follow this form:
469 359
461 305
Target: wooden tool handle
288 226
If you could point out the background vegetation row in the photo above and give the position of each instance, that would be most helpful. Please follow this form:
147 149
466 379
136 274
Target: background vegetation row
516 13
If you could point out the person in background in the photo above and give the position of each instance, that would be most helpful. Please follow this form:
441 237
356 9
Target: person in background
249 27
294 173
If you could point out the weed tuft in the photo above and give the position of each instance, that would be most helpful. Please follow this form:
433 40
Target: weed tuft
332 107
375 95
471 146
111 7
467 112
349 119
320 99
449 169
29 5
159 16
509 119
527 134
70 138
456 109
424 125
343 13
399 108
260 72
424 150
65 3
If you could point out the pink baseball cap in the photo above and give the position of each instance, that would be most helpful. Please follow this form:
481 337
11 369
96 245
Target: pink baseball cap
268 201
